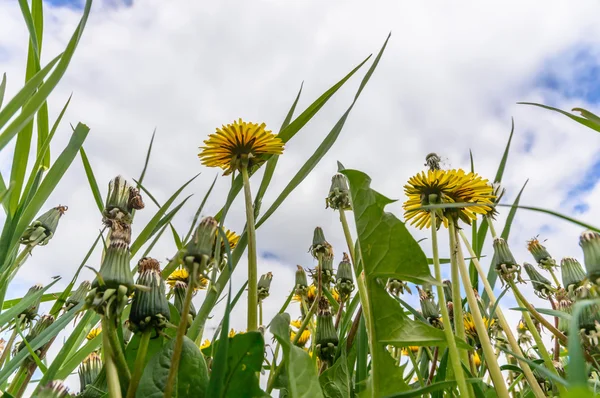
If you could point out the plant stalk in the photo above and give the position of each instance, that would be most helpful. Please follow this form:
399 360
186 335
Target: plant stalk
455 358
118 356
140 360
347 234
112 375
252 267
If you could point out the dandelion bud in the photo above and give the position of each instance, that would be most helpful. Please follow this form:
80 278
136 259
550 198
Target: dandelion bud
149 309
119 200
42 230
89 370
432 160
504 262
541 285
541 255
301 281
590 243
339 194
327 271
320 246
589 323
54 389
42 324
30 313
397 287
264 284
326 338
202 244
179 290
572 274
429 307
344 282
78 295
565 304
447 285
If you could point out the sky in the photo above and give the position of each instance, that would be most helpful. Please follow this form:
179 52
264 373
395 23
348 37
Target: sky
448 82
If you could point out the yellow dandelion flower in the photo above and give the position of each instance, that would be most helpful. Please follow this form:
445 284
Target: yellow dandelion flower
182 275
521 327
443 187
336 295
311 294
232 238
232 332
93 333
476 359
239 142
303 337
296 323
470 324
412 348
205 344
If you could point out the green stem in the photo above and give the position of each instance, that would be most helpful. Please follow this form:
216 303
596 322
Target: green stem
112 375
138 367
260 312
109 328
514 345
415 366
17 381
540 344
482 331
252 267
347 234
181 330
554 277
452 348
8 346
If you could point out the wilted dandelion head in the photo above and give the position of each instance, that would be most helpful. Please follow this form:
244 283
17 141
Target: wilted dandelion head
445 187
239 143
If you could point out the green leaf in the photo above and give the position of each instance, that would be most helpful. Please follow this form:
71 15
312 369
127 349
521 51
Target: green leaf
324 147
244 361
146 161
577 374
197 215
92 180
39 98
39 341
23 304
192 375
155 346
45 298
2 89
303 381
556 214
589 120
336 381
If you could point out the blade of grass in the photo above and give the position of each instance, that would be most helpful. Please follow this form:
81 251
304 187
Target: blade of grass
92 180
578 375
2 89
24 303
556 214
146 161
45 298
36 101
197 215
75 360
591 123
325 145
32 353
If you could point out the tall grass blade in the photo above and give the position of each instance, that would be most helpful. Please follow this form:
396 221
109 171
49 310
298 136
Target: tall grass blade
89 172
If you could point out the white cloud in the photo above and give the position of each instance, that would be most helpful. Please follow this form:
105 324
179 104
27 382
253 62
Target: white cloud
448 82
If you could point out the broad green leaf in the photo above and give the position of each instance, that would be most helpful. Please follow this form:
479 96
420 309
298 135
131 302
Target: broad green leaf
336 381
192 374
324 147
39 341
244 362
39 98
24 303
91 180
154 347
591 121
303 381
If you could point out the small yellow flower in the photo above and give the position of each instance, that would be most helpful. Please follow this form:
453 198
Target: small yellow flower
521 327
303 337
233 144
470 324
336 295
444 187
412 348
205 344
182 275
233 332
296 323
476 359
232 238
311 294
93 333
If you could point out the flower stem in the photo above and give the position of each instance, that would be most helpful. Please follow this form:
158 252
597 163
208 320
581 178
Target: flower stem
252 267
9 344
452 348
514 345
140 360
433 365
112 375
181 330
554 277
347 234
413 361
459 326
482 332
260 312
109 328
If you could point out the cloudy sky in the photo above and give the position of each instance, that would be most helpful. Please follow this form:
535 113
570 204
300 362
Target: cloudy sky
448 82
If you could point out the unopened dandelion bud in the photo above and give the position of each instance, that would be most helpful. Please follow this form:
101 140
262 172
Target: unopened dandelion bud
504 262
42 324
301 281
339 194
54 389
42 230
149 309
573 274
30 312
202 244
564 304
429 307
589 323
541 255
344 282
118 201
89 369
179 291
326 338
590 243
327 271
447 285
541 285
78 295
320 247
432 160
397 287
264 284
